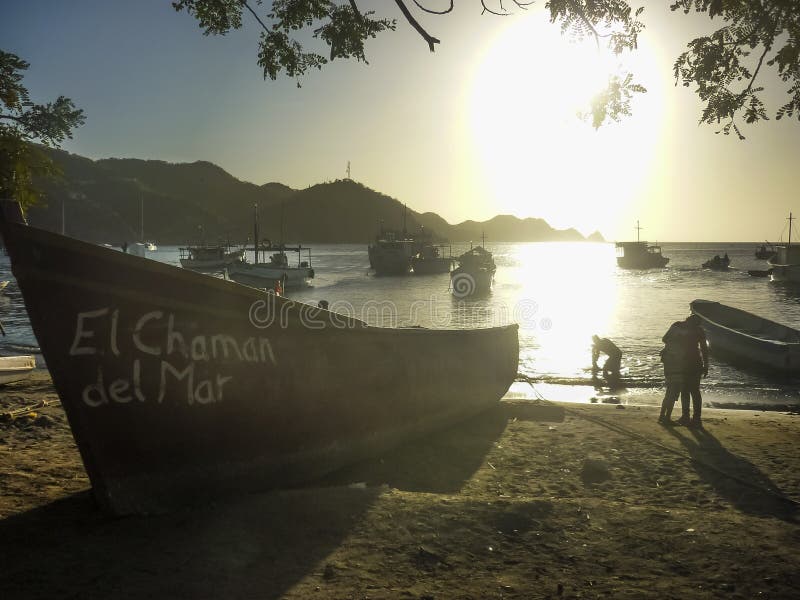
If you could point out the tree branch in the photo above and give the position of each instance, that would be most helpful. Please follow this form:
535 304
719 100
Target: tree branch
755 73
492 12
358 12
435 12
413 22
247 6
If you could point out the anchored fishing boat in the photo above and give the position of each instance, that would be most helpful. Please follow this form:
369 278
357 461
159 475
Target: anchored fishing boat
639 254
180 387
429 260
785 263
474 273
748 339
266 275
208 259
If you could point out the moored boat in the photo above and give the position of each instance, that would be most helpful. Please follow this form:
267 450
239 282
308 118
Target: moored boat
765 251
474 273
15 368
181 388
3 285
749 340
639 254
265 275
391 253
785 264
210 258
429 261
718 264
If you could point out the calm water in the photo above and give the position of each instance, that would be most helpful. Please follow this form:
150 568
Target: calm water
559 293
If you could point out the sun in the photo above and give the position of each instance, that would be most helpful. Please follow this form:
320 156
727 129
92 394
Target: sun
536 157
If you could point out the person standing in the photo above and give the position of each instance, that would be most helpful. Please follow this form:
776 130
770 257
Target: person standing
696 367
674 358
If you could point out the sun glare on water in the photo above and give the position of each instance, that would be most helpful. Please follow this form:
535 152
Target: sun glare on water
536 156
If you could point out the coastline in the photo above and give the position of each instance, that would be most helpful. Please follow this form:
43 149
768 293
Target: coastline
532 499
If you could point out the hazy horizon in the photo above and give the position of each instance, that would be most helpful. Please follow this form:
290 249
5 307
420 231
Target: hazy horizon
484 126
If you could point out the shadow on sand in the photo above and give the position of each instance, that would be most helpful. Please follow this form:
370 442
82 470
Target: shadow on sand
734 478
259 545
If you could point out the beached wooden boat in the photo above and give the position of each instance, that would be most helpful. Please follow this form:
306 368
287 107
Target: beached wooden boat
15 368
181 387
748 339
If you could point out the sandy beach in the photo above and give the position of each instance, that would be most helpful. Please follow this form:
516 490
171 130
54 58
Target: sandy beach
530 500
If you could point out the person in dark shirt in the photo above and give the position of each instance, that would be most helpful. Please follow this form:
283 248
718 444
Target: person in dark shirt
612 365
696 367
674 358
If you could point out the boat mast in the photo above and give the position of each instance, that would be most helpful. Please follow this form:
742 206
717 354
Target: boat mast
790 230
405 235
255 232
638 229
141 217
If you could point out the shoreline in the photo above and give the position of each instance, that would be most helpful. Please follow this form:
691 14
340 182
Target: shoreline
733 398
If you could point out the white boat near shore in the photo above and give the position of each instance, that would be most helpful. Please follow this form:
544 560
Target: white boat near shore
15 368
785 263
748 339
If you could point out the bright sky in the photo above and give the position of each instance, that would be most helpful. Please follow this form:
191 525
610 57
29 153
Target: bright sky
484 126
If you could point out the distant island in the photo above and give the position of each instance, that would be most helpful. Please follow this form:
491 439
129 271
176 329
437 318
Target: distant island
105 200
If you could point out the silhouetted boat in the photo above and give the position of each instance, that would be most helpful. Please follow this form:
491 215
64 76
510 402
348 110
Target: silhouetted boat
765 251
180 387
429 260
639 254
785 264
474 273
210 258
759 272
391 253
15 368
266 275
749 339
718 264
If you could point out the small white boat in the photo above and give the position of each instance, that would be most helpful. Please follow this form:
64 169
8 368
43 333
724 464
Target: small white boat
265 275
748 339
785 263
15 368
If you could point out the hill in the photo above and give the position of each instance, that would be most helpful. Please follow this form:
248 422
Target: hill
111 200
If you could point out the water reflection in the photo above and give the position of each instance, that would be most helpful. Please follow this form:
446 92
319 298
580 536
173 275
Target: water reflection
561 294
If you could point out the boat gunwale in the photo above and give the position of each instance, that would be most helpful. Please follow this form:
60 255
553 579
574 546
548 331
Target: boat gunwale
777 343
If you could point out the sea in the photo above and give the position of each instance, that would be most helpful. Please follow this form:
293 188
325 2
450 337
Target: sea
559 294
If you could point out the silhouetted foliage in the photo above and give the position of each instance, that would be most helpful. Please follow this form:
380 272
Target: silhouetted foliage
22 123
765 33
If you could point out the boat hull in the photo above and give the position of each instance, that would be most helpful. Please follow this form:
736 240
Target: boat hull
785 273
15 368
207 266
749 340
180 387
431 266
471 282
265 276
649 262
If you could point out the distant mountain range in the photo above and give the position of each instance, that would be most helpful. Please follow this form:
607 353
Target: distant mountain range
104 201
